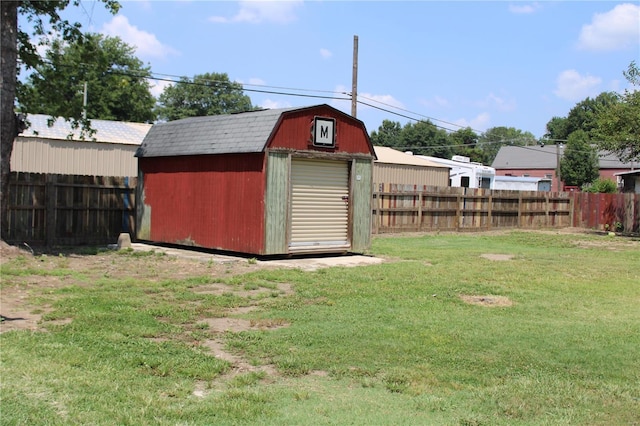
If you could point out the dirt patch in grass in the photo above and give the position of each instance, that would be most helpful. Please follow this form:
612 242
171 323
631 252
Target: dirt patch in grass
52 270
488 300
497 257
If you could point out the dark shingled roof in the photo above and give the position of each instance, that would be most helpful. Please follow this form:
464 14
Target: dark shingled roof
245 132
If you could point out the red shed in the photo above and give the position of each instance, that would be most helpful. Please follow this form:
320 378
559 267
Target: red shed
279 181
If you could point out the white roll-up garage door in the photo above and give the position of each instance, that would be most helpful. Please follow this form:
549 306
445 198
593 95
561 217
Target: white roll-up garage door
319 205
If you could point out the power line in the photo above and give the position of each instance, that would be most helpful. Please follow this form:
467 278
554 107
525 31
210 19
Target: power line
289 92
415 113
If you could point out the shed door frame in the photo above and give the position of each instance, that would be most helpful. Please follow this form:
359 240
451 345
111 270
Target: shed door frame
319 205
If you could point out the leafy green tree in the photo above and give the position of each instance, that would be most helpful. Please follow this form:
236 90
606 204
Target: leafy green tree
583 116
618 126
388 134
496 137
557 129
205 94
424 138
116 81
43 18
465 143
579 164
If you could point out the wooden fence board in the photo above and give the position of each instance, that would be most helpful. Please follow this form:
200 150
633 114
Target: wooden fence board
464 209
46 209
65 210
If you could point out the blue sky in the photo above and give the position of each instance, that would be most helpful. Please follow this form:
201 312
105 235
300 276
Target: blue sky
478 64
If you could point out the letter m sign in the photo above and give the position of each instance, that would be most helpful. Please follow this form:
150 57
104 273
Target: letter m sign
324 132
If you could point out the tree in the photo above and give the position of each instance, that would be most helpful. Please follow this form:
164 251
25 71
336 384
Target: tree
424 138
618 126
205 94
557 129
388 134
465 143
16 43
583 116
116 81
495 137
579 164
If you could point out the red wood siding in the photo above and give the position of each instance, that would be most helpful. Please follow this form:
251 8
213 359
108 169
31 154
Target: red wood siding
606 211
214 201
294 132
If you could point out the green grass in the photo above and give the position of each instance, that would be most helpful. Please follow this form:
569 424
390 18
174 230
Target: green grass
384 344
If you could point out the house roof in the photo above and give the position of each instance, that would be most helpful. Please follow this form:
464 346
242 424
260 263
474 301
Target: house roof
545 157
392 156
629 173
215 134
119 132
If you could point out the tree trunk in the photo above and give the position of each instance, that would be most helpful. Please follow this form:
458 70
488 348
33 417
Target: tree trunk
9 43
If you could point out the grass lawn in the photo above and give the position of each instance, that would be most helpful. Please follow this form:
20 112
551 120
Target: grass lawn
515 328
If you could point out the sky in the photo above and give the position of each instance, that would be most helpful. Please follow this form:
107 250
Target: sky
476 64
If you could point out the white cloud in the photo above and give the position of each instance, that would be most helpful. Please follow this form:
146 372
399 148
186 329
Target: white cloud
614 30
480 122
255 12
436 102
325 53
256 81
496 102
522 9
158 86
271 104
383 101
146 44
572 86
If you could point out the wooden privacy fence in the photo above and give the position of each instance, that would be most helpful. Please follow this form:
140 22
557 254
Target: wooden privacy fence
46 209
609 212
402 208
68 210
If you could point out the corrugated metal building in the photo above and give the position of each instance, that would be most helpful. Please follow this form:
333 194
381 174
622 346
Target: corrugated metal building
398 168
268 182
59 149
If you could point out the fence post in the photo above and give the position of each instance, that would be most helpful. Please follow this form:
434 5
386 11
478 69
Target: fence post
458 211
490 211
629 208
50 210
546 210
519 209
419 210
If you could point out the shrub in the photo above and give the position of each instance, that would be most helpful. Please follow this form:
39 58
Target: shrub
600 185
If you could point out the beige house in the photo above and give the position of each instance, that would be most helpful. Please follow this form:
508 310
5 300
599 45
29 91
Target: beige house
59 149
397 168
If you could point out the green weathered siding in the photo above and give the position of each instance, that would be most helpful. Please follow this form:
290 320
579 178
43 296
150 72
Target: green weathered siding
361 193
143 211
276 203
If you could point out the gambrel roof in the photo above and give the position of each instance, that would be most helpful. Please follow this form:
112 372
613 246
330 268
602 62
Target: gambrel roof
245 132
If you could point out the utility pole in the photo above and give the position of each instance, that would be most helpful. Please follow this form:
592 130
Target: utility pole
84 101
354 79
